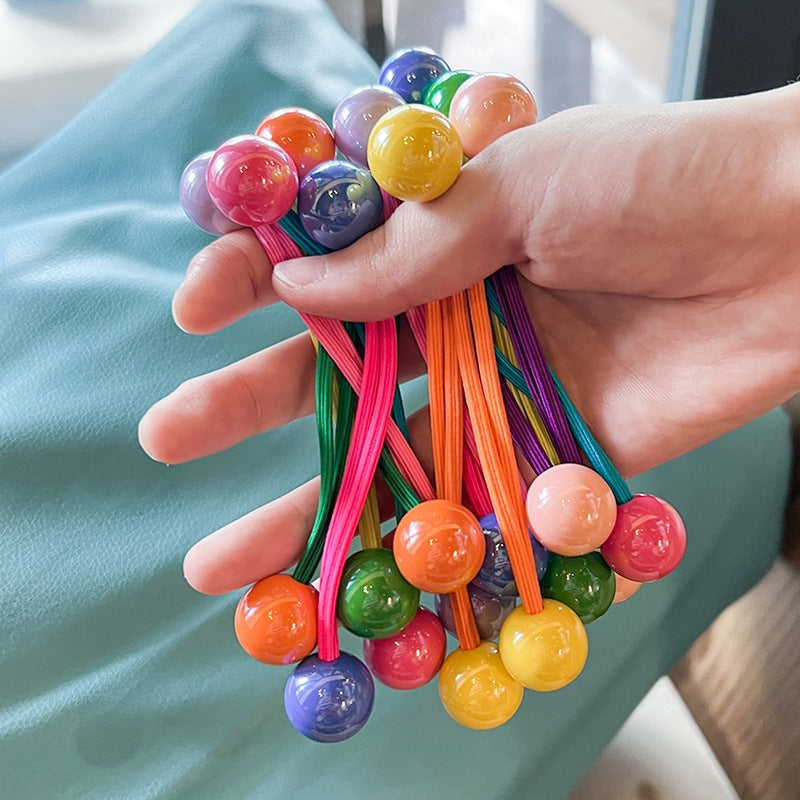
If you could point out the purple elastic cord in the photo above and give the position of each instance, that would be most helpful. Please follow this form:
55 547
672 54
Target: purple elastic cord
522 435
532 363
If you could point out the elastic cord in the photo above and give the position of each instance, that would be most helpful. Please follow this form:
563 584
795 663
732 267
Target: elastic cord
482 390
369 430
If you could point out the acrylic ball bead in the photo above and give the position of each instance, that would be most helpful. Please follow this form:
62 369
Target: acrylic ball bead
408 72
196 201
329 701
490 611
571 509
356 116
252 180
584 583
489 105
439 94
544 651
438 546
276 620
625 588
476 689
300 133
338 202
648 540
411 657
414 153
496 575
375 600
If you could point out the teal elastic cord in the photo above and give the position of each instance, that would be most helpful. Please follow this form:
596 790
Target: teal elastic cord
291 224
333 444
588 444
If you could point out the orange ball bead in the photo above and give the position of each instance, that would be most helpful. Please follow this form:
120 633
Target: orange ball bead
304 136
625 588
572 510
439 546
276 620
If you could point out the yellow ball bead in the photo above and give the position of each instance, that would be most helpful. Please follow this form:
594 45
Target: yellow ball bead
544 651
414 153
476 689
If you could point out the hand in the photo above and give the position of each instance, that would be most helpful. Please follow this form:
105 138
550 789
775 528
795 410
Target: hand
661 267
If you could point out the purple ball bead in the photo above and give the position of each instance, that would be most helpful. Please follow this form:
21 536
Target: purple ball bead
409 72
355 117
197 202
329 701
338 202
495 575
490 611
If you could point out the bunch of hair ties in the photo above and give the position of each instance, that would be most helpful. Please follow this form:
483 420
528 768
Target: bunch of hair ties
516 572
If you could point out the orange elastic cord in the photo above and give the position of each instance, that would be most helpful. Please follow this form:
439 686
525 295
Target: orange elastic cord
484 400
446 409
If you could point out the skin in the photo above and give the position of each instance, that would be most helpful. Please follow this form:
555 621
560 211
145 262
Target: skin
660 261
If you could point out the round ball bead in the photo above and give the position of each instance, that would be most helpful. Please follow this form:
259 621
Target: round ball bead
276 620
338 202
252 180
496 576
476 689
648 540
571 509
329 701
439 546
356 116
544 651
196 201
584 583
302 134
489 105
375 600
409 72
490 611
439 94
414 153
411 657
625 588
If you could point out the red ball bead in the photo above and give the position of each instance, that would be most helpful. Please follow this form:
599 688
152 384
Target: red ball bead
411 657
276 620
648 539
439 546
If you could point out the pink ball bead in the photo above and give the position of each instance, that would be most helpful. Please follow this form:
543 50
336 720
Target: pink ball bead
489 105
411 657
648 540
571 509
252 180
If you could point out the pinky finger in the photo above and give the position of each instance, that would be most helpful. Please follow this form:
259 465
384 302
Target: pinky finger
269 539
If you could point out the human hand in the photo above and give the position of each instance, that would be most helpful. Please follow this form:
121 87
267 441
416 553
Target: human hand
660 272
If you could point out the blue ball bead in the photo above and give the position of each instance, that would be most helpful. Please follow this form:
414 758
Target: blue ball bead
329 701
409 72
496 576
338 202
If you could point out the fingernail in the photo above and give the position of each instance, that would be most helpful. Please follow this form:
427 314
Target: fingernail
300 272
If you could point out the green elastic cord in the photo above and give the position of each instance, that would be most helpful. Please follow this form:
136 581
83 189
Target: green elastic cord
588 444
291 224
333 443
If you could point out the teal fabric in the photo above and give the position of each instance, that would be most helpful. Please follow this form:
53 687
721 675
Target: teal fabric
116 679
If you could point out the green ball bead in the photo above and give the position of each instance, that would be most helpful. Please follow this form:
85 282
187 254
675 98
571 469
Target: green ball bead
375 600
584 583
439 94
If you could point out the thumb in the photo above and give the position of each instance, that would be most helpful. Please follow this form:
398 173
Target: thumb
424 252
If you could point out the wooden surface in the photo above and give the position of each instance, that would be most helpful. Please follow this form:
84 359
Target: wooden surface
741 679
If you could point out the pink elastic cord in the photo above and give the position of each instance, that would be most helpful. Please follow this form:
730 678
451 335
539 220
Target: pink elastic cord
369 429
334 338
474 483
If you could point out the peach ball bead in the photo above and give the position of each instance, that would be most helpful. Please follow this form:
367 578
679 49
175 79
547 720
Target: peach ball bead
571 509
625 588
489 105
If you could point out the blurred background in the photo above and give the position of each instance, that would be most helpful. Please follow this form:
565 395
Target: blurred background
724 725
